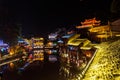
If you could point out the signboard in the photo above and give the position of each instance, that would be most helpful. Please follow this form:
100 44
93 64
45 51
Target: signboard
52 36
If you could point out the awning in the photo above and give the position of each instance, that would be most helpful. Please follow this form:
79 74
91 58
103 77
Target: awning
76 42
67 35
85 48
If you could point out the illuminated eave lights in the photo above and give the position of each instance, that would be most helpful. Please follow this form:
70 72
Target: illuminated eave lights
84 26
86 48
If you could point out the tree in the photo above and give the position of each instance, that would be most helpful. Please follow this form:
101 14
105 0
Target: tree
9 33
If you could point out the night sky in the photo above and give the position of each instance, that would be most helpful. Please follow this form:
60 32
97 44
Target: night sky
44 16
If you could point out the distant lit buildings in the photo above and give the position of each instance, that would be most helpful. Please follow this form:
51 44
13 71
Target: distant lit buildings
63 47
94 31
52 48
38 46
3 48
37 42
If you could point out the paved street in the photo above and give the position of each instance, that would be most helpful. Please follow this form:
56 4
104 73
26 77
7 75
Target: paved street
106 64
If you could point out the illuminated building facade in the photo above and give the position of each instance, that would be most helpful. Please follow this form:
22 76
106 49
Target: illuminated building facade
101 33
51 48
86 25
38 45
63 47
3 48
89 23
93 22
94 31
75 52
23 42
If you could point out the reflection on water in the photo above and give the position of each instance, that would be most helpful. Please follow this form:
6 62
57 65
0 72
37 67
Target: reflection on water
11 65
50 69
38 71
67 72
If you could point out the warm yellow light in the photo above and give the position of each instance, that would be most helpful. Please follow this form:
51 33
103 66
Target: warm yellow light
11 53
95 67
50 43
41 38
88 54
12 65
41 58
49 52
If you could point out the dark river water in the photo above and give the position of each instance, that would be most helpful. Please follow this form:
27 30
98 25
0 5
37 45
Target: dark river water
38 71
41 70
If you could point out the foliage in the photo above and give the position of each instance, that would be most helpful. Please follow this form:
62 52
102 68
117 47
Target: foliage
9 33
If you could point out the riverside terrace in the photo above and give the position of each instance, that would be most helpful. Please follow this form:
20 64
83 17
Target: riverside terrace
106 63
